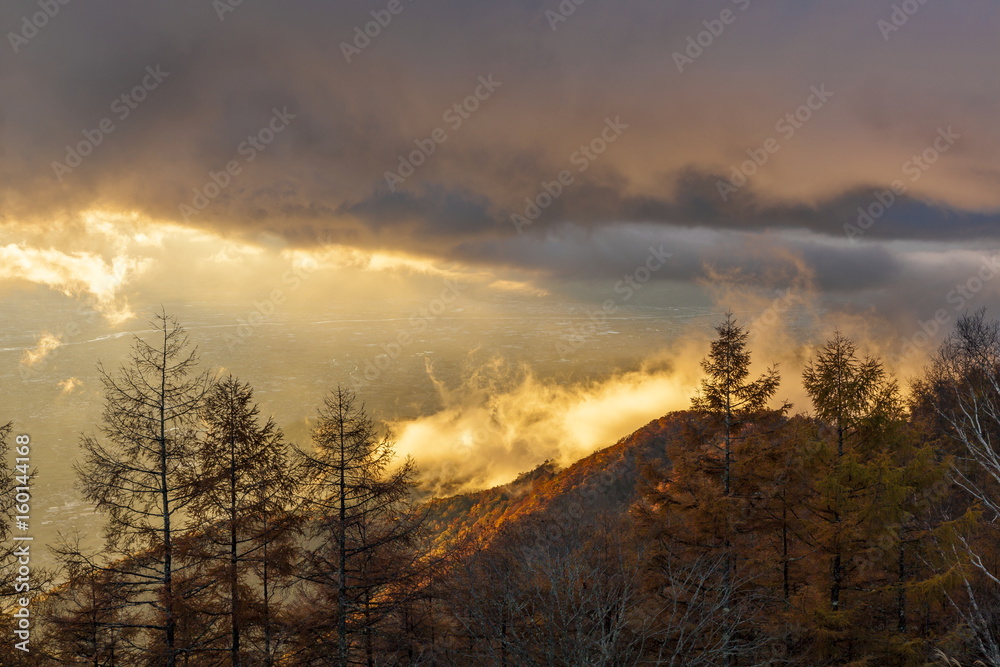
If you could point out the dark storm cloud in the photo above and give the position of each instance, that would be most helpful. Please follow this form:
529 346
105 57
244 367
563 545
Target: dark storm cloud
560 82
569 253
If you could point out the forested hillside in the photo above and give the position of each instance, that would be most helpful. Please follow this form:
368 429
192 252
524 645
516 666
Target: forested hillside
860 530
606 482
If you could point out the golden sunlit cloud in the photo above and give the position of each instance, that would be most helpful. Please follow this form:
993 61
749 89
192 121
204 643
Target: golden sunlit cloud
518 287
337 257
235 253
112 250
503 422
74 274
69 385
47 343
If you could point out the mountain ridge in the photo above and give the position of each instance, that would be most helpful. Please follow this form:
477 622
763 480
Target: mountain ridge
605 481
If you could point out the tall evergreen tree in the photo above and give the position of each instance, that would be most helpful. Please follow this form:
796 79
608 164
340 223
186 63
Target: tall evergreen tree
877 485
361 532
725 391
247 492
857 398
730 398
141 475
849 392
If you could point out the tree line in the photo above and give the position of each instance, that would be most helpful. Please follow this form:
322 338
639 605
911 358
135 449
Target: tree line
860 532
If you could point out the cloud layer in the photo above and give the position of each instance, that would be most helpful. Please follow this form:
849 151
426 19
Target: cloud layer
285 121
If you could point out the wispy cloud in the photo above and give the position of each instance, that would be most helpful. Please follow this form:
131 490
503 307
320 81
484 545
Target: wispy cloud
47 343
69 385
504 420
75 274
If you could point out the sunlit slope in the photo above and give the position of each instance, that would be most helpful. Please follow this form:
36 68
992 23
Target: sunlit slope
604 482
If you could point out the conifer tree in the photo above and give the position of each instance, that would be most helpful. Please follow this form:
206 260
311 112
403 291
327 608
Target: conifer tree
247 491
731 399
361 530
877 485
726 393
857 398
141 475
88 622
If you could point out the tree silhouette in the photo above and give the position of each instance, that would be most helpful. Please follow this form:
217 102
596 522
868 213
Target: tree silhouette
361 529
247 492
849 394
142 475
728 396
725 391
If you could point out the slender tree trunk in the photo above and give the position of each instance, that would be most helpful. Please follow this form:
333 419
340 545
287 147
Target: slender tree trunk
901 591
786 583
837 567
727 585
785 580
729 452
838 577
265 571
503 641
234 590
369 649
168 566
342 544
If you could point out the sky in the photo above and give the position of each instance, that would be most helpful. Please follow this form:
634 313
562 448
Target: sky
786 159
